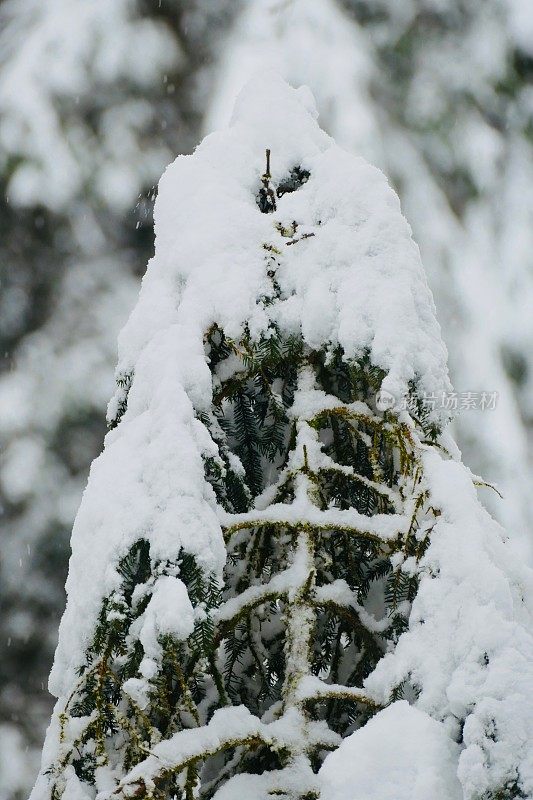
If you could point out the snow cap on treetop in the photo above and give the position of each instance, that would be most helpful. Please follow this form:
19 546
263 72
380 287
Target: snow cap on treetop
350 275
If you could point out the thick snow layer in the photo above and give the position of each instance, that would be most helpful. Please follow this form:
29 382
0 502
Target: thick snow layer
139 488
469 647
401 754
355 279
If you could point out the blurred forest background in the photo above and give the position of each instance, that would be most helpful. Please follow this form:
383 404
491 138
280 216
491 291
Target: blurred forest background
97 97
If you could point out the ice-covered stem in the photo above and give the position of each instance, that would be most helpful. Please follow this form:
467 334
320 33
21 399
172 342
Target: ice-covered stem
300 612
300 619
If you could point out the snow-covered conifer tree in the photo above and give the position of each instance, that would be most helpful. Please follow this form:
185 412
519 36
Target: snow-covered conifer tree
279 548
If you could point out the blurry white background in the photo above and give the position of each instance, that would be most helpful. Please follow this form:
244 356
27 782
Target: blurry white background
97 97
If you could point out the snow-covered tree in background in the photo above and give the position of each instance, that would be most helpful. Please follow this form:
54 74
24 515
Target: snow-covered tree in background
438 94
95 98
268 556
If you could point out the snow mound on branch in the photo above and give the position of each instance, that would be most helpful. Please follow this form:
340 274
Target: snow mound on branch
349 274
169 611
400 754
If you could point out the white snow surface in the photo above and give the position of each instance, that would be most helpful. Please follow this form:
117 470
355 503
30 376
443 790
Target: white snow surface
356 280
169 611
148 483
400 754
469 647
